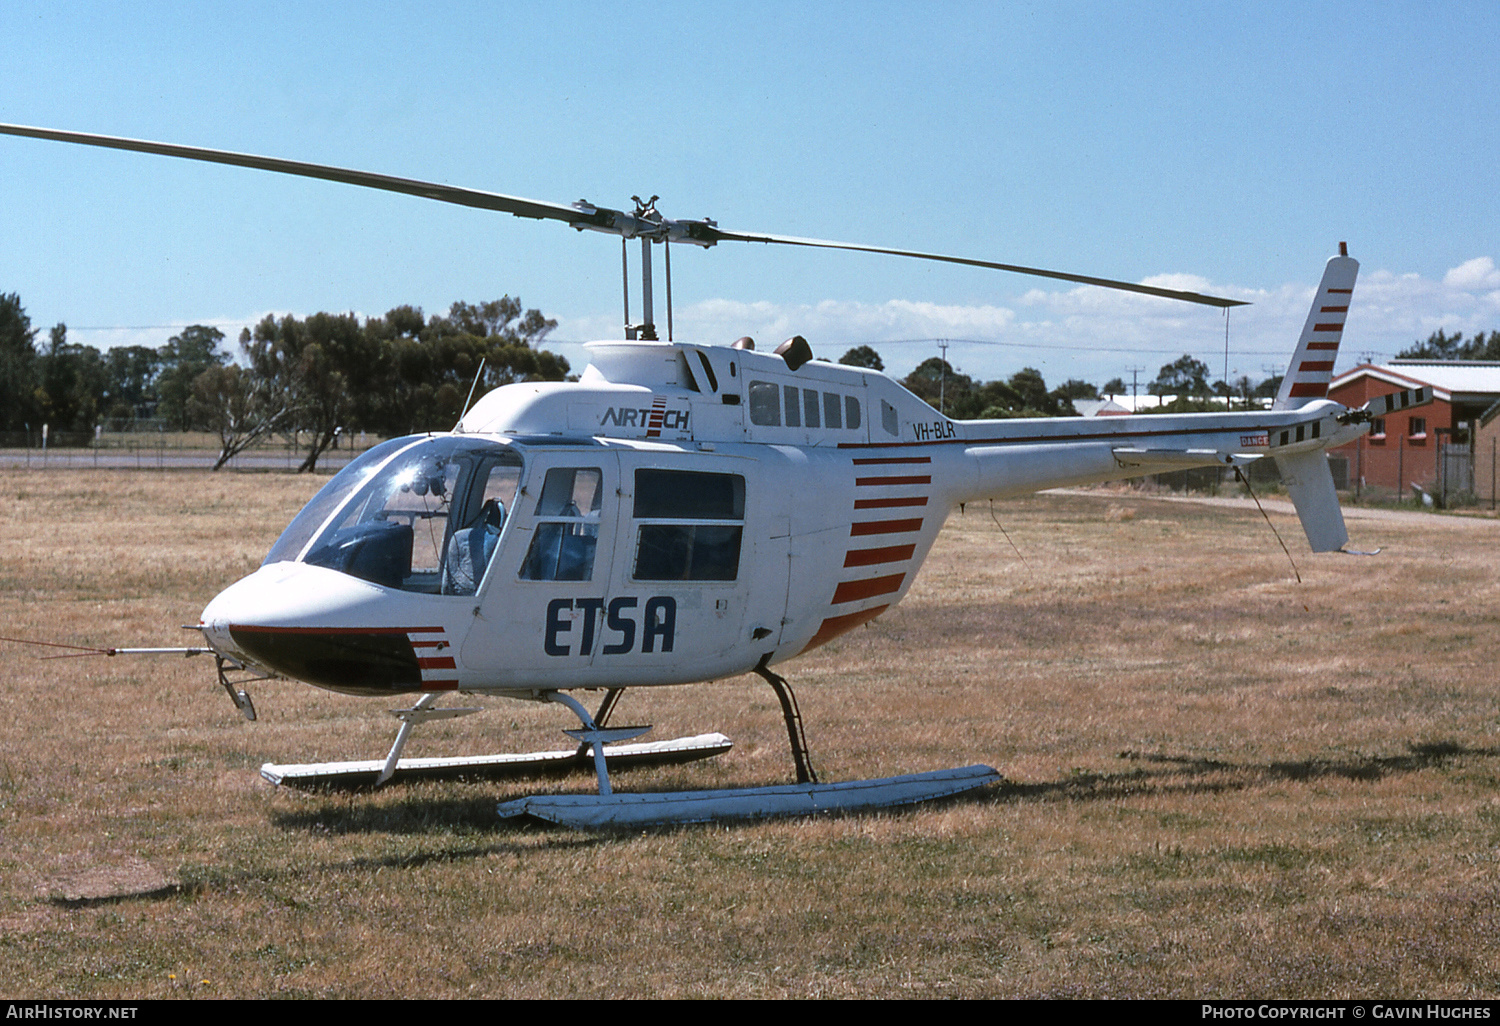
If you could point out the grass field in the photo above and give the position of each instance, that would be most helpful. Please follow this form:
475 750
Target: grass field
1220 782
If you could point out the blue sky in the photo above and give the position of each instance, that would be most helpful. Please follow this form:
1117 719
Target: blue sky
1225 147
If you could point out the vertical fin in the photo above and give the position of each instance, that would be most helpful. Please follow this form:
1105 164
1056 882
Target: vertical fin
1311 369
1309 482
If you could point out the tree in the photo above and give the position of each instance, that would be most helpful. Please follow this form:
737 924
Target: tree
1441 346
238 406
322 370
1243 388
430 367
1063 395
70 383
130 383
1114 386
863 356
1183 376
1031 387
17 365
181 360
937 384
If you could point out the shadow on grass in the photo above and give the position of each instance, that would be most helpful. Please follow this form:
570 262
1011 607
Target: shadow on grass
205 880
1210 776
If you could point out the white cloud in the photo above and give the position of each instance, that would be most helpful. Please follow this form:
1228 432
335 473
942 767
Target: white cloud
1479 273
1096 334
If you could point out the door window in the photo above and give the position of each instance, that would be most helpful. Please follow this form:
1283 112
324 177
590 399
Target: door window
567 527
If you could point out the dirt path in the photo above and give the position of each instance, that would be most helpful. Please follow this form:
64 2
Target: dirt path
1279 505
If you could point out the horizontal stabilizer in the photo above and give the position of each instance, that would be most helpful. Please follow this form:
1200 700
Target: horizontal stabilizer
1179 457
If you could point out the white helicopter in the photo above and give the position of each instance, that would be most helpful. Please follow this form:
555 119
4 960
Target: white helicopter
682 513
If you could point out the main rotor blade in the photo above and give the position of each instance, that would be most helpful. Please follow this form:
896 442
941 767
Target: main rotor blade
617 222
517 205
1082 279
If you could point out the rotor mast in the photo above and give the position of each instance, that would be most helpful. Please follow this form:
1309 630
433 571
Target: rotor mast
645 213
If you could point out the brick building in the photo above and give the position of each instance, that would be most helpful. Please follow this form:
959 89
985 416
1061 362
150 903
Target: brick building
1487 457
1405 448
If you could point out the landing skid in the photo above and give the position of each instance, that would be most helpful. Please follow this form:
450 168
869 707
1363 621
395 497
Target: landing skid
610 811
313 776
594 751
633 811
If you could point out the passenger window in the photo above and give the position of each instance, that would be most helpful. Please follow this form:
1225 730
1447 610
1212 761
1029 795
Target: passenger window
832 415
793 407
563 544
692 527
889 419
765 403
810 407
851 413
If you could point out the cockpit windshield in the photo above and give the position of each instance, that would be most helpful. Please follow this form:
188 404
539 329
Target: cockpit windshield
425 516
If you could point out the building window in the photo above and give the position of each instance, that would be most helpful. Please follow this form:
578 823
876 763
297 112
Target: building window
1377 427
1416 427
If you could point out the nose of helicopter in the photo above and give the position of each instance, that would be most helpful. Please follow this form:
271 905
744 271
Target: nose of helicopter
328 629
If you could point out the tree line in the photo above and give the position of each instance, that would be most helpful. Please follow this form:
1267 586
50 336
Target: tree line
1441 346
404 372
1025 393
307 378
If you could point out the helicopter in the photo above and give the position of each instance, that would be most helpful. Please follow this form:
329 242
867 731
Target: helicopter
684 512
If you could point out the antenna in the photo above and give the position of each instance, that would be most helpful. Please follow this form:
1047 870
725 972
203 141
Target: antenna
477 375
1227 399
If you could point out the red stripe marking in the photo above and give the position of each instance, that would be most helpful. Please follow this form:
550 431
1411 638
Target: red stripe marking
1328 327
923 479
437 663
1318 390
1334 309
653 422
1322 345
836 625
1342 292
1315 365
911 500
894 459
872 557
884 527
853 591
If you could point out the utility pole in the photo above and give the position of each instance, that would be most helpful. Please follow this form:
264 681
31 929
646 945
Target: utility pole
1134 383
943 377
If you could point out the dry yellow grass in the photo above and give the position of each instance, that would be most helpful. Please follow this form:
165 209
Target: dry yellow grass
1220 782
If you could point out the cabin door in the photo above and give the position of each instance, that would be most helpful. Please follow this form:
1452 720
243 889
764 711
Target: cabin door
540 615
